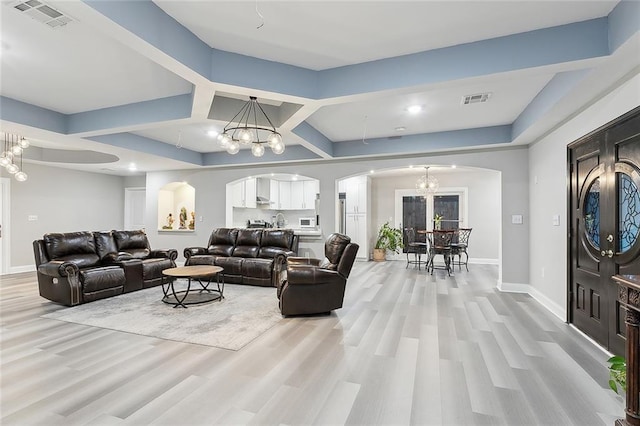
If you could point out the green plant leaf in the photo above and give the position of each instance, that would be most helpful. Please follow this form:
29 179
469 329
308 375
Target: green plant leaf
612 385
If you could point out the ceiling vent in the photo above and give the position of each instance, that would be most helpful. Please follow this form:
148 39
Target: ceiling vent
478 98
42 12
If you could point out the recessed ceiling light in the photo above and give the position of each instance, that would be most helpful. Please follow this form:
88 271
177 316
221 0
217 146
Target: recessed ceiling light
414 109
371 171
212 133
132 167
400 129
453 166
411 166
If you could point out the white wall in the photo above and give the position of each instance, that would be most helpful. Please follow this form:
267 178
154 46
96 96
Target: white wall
548 194
64 201
483 205
210 185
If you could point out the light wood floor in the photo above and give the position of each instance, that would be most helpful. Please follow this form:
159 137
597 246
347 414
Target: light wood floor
407 348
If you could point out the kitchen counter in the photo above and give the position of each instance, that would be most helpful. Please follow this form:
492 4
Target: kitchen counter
303 232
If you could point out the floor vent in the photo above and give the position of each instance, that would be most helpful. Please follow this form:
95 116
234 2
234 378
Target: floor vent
42 12
478 98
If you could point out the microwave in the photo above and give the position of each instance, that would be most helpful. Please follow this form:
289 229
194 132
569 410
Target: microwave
307 222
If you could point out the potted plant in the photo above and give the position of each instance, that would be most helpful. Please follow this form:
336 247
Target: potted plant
437 221
617 373
388 239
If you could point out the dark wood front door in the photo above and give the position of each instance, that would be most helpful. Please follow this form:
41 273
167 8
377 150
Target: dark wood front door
604 214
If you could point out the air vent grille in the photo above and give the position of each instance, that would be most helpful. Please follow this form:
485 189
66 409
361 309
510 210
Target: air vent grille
477 98
42 12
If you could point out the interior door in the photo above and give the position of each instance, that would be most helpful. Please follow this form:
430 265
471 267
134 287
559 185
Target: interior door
134 208
605 226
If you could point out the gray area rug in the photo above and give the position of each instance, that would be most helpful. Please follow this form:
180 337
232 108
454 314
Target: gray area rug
245 313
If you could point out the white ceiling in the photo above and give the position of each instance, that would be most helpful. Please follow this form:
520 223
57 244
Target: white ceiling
99 68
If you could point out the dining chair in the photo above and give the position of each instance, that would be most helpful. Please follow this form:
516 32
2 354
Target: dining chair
441 244
460 246
414 245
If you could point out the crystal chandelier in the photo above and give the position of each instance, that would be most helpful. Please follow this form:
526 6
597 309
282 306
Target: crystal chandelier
11 157
427 184
247 131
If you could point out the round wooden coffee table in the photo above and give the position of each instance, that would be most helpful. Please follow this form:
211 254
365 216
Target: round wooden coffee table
193 296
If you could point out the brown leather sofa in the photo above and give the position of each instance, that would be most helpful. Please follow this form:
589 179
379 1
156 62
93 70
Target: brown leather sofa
248 256
80 267
314 286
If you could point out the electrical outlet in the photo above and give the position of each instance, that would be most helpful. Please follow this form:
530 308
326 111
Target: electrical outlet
200 219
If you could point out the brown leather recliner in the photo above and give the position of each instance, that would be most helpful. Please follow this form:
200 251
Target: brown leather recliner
313 286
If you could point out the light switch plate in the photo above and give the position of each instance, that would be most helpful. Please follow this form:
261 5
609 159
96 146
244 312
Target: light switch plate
555 220
32 217
516 219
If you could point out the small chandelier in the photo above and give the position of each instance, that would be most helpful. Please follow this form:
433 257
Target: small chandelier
247 131
427 184
13 147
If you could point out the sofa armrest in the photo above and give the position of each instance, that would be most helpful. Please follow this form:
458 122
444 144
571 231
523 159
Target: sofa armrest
164 253
115 258
194 251
58 268
309 275
292 260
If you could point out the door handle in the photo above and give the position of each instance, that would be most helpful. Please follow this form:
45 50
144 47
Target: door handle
608 253
610 238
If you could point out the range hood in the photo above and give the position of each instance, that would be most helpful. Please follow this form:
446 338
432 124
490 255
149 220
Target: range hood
263 192
262 200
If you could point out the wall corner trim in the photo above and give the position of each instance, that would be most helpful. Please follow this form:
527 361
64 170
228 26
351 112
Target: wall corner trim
547 303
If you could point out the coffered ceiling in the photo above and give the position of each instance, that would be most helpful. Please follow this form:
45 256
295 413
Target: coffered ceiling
146 81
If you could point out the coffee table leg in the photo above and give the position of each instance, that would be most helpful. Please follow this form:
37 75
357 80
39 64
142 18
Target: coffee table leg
186 293
219 278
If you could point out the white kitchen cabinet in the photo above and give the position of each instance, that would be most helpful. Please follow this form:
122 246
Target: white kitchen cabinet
244 193
357 191
274 194
284 198
311 188
356 229
297 195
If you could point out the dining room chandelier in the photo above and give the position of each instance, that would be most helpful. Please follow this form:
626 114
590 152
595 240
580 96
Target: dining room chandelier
243 129
427 184
11 156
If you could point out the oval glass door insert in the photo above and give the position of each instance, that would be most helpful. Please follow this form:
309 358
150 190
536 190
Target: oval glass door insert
628 212
591 213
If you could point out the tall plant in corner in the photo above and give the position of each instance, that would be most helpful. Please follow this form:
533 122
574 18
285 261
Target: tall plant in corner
388 239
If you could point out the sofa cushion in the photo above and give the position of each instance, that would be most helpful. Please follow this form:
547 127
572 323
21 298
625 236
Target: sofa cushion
248 243
105 244
152 268
132 242
333 249
257 268
201 259
275 242
75 247
230 265
96 279
222 241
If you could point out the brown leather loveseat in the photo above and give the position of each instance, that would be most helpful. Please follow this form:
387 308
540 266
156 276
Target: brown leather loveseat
80 267
248 256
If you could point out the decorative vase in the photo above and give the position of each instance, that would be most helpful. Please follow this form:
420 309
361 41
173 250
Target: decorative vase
379 255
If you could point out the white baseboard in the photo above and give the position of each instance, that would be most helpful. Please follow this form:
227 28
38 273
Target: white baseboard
483 261
549 304
21 269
